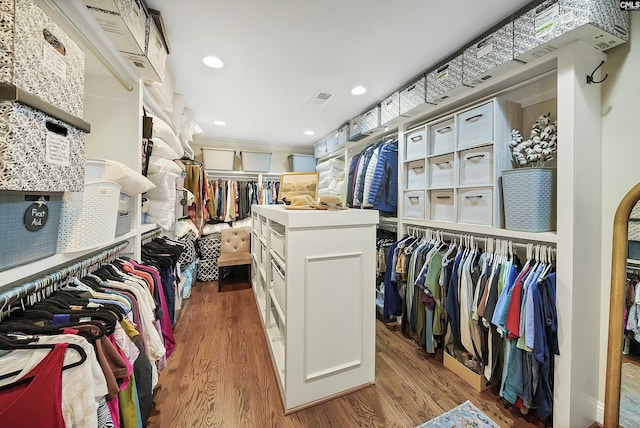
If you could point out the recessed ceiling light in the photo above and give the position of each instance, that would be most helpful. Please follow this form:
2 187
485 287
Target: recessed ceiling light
219 122
308 132
358 90
213 61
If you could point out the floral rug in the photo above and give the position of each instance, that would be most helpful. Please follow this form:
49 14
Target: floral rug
465 415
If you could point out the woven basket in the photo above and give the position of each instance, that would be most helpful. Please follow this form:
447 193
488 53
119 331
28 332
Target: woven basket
530 199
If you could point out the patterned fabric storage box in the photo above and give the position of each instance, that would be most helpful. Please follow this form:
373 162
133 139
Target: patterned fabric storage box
445 81
188 256
371 120
38 152
38 57
390 109
151 65
125 21
343 135
413 97
28 226
89 218
355 129
489 57
209 251
555 23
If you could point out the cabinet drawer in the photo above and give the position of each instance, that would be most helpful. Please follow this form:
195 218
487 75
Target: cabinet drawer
441 137
416 175
264 230
476 166
475 126
414 206
441 171
279 285
415 144
277 240
442 206
475 206
263 257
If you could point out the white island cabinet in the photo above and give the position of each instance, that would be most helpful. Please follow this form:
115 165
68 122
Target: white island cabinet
314 282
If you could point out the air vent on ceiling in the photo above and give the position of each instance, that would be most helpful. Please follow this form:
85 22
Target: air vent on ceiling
320 98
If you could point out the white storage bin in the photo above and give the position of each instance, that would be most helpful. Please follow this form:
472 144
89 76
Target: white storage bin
151 65
553 24
475 206
475 126
124 21
441 171
39 58
413 97
476 166
302 163
94 170
442 205
415 144
416 175
489 57
218 159
255 161
320 148
414 204
277 240
442 137
279 286
390 109
89 218
39 153
445 81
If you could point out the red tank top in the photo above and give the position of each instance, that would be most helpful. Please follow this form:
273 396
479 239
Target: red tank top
37 403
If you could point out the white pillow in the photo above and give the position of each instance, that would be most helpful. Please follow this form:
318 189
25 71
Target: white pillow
165 186
184 226
161 165
131 182
162 130
208 229
188 151
161 213
163 150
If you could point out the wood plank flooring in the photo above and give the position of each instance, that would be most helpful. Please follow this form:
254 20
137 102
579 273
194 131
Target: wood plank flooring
220 375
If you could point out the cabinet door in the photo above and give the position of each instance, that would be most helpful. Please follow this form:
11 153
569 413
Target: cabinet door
475 126
476 166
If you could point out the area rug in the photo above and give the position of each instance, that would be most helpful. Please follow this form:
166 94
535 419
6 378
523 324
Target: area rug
629 395
465 415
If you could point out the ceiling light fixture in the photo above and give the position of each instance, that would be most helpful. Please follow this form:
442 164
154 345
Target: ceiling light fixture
358 90
219 122
213 61
308 132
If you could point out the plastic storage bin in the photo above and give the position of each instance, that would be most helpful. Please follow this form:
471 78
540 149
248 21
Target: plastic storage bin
256 161
89 218
219 159
38 57
28 226
529 199
39 153
123 223
302 163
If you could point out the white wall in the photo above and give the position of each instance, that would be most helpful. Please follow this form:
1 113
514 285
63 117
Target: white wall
279 154
620 158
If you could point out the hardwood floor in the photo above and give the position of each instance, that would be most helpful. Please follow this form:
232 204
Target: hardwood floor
220 375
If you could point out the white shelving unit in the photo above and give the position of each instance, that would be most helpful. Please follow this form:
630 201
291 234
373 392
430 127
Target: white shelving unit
311 257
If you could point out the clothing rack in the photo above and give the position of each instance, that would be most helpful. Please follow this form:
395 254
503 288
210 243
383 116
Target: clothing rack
40 288
149 236
242 175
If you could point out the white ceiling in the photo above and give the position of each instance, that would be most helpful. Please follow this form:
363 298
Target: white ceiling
279 53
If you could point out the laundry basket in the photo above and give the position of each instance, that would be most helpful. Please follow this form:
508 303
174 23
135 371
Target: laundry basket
89 218
529 199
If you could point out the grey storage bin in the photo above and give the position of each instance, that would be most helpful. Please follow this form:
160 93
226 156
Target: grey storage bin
555 23
529 199
445 81
343 135
302 163
355 129
371 120
413 97
20 212
390 109
489 56
123 224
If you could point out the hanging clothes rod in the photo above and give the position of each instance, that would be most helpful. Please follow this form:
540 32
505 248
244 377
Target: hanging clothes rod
48 282
149 236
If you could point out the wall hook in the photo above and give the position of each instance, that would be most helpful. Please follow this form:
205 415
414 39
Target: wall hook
590 77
